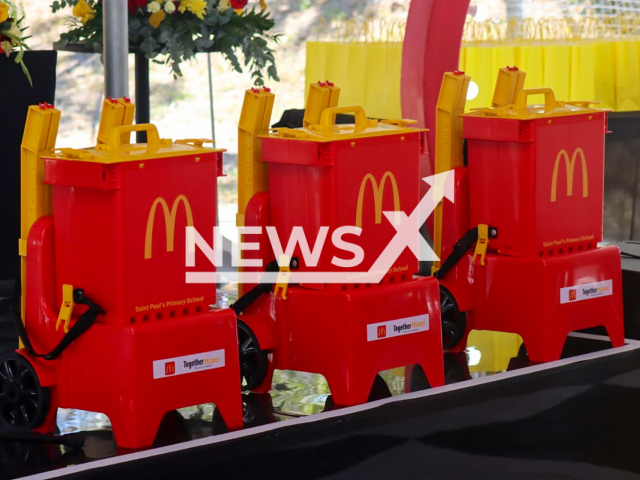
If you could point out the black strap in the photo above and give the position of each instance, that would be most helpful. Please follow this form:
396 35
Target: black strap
245 301
82 325
459 250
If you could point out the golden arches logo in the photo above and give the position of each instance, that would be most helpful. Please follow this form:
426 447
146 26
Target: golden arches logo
382 331
169 221
378 194
570 165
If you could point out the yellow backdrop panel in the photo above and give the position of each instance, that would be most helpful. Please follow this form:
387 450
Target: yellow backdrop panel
368 74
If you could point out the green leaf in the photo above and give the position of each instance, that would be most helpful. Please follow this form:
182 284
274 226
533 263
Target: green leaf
26 72
273 73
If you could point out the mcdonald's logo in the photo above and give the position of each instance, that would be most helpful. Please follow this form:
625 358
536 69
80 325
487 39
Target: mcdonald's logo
169 221
378 193
170 368
570 167
382 331
573 295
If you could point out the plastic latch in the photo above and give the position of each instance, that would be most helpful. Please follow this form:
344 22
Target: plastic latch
74 153
285 132
400 122
283 277
195 142
66 310
482 243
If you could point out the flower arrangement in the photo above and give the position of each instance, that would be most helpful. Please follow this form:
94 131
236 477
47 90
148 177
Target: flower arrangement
175 30
12 37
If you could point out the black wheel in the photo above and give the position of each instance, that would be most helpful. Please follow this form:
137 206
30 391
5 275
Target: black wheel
174 428
257 409
418 380
218 424
522 351
24 403
454 322
379 389
253 361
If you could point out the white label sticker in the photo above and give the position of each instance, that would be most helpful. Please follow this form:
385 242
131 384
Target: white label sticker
395 328
586 291
171 367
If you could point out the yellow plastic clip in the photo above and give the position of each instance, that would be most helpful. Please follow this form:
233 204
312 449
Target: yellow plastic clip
482 244
283 276
66 310
195 142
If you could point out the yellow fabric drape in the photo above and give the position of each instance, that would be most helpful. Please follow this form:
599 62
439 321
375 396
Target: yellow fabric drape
368 73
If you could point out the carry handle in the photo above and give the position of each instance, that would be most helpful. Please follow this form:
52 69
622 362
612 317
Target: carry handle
523 97
153 138
328 117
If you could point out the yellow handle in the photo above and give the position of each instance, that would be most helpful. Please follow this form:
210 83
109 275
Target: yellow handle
328 117
153 138
523 96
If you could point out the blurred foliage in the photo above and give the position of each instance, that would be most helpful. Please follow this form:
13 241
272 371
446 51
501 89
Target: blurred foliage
179 36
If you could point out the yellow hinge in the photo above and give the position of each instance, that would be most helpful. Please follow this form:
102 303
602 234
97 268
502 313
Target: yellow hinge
66 309
283 277
482 244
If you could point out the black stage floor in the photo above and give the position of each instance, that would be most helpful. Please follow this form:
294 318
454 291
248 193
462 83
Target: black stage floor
498 417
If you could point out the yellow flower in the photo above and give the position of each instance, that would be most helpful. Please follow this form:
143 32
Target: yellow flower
224 5
84 11
4 12
156 18
239 11
263 5
197 7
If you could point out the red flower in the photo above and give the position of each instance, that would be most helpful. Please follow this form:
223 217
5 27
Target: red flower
134 5
238 4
